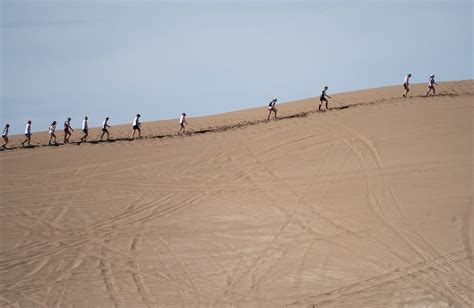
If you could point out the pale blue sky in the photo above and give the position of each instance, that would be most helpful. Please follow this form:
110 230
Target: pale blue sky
119 58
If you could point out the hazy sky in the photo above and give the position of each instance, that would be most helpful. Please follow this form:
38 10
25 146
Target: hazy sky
118 58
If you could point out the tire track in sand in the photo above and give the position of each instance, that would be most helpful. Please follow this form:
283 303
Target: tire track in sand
409 272
392 205
385 205
137 277
109 279
466 231
266 255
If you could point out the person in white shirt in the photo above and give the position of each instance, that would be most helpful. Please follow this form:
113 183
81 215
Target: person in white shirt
85 129
67 130
322 98
52 130
136 126
406 84
5 135
27 134
272 108
105 124
182 121
431 84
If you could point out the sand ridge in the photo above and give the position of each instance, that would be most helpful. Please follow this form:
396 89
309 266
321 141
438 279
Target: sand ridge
367 205
240 119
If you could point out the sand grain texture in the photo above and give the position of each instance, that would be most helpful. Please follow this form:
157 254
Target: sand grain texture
366 205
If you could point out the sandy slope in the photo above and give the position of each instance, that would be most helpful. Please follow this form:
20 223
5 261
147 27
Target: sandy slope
369 204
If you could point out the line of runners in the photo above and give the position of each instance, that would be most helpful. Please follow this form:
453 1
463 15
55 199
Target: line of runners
324 95
136 125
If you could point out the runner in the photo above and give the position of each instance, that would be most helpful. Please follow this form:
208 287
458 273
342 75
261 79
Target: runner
406 84
431 84
5 135
85 129
67 130
136 126
27 134
272 108
182 121
105 124
322 98
52 129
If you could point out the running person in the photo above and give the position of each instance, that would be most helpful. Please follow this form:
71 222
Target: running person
5 135
85 129
136 126
182 121
105 124
27 134
431 84
52 129
272 108
322 98
406 84
67 130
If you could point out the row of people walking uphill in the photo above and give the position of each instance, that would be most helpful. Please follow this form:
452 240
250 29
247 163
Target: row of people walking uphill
323 97
136 125
68 130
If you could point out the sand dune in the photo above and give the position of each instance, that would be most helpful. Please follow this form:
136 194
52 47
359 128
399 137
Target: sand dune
366 205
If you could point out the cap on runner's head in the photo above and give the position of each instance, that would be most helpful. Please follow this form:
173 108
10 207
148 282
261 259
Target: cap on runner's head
409 75
138 115
184 113
432 76
106 118
29 121
69 119
54 122
86 117
326 87
8 125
